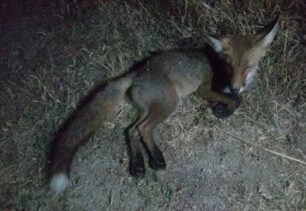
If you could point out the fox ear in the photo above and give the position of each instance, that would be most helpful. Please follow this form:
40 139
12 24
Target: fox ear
265 36
215 43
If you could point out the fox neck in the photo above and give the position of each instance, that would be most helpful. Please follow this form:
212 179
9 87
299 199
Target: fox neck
220 80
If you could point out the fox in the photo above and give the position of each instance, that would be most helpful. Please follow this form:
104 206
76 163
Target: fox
217 73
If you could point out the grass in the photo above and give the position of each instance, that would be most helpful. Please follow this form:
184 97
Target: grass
52 57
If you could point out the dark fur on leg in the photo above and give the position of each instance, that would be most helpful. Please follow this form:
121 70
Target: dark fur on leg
157 160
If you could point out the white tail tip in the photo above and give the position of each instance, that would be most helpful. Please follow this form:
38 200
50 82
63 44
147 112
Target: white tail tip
59 182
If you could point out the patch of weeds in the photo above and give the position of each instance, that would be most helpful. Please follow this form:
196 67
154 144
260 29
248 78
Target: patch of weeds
204 114
265 114
133 114
117 133
156 192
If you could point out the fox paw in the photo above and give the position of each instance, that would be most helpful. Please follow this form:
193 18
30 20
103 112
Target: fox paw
137 171
157 162
137 168
222 110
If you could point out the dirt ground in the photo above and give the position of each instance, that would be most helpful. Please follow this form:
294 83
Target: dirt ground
52 54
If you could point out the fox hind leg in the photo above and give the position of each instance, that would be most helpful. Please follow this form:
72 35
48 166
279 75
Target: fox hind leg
137 167
156 115
155 107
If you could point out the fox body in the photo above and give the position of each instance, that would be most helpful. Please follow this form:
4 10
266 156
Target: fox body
156 87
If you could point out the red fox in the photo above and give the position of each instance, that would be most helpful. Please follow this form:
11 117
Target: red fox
157 86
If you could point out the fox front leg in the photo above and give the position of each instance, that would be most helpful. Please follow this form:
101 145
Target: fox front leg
222 110
223 105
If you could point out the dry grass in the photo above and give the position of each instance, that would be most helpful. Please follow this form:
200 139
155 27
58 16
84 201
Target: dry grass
53 57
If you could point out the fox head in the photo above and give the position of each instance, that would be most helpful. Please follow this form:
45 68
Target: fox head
241 54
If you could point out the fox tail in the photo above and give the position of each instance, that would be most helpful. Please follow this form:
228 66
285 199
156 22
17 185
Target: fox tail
78 129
